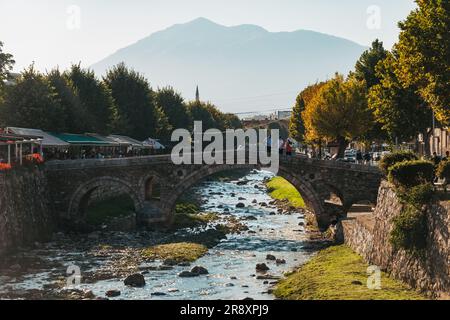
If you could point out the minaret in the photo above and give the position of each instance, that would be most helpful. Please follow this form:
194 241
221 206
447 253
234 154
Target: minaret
197 95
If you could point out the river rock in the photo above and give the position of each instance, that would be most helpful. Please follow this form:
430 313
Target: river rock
135 280
268 277
301 224
199 270
187 274
255 201
262 267
263 204
240 205
281 261
241 199
158 294
271 257
169 262
229 285
112 293
253 218
242 183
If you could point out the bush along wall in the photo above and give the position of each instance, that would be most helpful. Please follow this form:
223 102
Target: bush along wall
413 182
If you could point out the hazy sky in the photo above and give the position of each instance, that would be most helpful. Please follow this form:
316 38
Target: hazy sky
58 32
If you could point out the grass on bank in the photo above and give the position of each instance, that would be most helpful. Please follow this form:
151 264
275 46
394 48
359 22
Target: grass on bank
179 252
188 215
337 273
280 189
105 210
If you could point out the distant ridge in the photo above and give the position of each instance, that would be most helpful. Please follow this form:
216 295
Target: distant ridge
268 68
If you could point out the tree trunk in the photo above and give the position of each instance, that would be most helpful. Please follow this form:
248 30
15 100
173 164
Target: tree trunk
426 139
342 145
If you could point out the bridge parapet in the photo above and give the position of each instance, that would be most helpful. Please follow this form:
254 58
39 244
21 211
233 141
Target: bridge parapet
74 182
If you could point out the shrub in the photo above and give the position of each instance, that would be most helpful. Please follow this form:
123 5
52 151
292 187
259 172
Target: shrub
389 160
409 174
417 196
409 231
443 170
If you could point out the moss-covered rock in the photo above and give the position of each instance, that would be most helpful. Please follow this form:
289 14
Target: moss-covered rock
178 252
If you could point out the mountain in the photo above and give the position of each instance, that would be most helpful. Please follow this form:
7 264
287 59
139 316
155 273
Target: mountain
240 68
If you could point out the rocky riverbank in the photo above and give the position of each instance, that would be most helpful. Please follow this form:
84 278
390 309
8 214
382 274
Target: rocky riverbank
236 227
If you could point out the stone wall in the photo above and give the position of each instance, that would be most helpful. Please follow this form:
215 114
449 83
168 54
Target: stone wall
24 213
430 274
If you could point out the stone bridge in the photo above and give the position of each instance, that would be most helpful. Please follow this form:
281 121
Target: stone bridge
154 184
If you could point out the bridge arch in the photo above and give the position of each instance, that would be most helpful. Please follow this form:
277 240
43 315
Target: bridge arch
82 196
311 197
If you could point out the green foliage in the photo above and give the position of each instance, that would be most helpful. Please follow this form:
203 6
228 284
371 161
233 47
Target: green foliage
138 114
408 174
6 65
105 210
96 99
417 196
75 115
443 170
32 102
390 159
409 231
172 103
424 51
365 69
399 110
337 273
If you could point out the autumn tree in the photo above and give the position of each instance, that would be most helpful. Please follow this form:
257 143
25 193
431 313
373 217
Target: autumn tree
338 112
296 125
424 54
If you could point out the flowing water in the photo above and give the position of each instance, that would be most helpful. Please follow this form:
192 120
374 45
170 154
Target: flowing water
231 264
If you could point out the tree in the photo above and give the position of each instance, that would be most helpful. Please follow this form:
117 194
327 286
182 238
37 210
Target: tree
33 103
338 112
365 68
76 116
6 65
296 125
96 99
138 114
201 111
400 111
424 54
231 121
172 103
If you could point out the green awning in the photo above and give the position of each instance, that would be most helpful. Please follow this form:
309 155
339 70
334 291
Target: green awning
79 139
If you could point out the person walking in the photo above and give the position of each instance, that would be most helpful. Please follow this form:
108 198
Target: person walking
359 157
269 145
281 146
288 148
367 158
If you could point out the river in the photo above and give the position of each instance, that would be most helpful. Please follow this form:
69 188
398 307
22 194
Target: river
231 264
